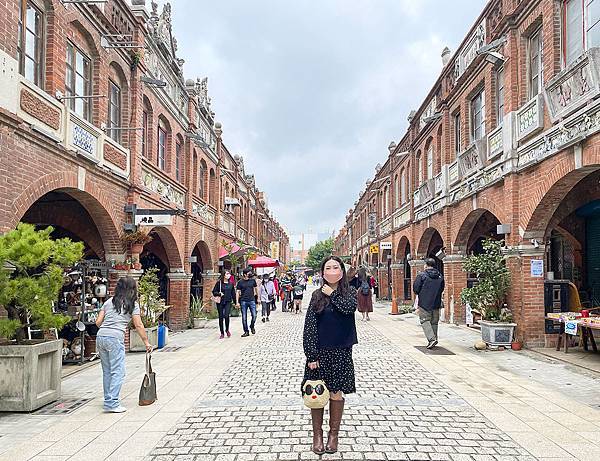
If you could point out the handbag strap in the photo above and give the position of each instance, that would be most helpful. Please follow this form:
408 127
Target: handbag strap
148 363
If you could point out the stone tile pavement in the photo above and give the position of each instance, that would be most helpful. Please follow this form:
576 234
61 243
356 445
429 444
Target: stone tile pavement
238 399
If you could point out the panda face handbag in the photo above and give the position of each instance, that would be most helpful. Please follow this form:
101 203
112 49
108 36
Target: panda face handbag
315 393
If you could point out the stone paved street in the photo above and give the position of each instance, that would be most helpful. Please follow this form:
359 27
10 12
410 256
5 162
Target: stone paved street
238 399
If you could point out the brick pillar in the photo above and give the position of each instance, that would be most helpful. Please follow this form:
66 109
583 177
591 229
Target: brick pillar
456 280
179 299
526 294
208 282
397 282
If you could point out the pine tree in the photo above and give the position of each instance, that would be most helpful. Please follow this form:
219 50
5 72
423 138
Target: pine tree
28 292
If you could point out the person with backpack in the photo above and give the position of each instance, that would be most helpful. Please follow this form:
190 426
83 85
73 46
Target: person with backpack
365 294
429 286
267 295
298 294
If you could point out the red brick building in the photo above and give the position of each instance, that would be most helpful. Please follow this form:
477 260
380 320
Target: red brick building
505 145
98 125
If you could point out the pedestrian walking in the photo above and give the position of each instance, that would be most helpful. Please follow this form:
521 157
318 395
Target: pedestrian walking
224 289
298 295
375 286
365 294
267 295
329 335
275 281
247 293
115 315
428 286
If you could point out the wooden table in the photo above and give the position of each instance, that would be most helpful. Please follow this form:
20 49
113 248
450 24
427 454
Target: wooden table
586 334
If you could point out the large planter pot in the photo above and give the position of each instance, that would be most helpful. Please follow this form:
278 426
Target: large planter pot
496 333
200 323
137 345
30 375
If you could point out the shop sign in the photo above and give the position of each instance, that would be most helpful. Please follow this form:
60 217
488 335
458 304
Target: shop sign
571 327
372 222
385 246
374 249
537 267
153 220
274 250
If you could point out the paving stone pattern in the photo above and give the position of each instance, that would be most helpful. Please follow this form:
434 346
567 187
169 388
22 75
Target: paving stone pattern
400 411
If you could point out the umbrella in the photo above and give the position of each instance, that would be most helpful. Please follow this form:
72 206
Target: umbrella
263 261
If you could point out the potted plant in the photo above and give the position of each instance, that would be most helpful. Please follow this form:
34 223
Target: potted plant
197 314
31 275
136 240
151 307
488 295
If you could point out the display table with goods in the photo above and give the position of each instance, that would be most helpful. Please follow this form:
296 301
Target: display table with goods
573 324
84 291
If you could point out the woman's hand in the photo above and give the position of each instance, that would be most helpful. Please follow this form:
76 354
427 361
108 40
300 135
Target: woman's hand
313 365
148 346
327 290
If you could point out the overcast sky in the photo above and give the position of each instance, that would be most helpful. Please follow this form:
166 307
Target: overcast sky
312 92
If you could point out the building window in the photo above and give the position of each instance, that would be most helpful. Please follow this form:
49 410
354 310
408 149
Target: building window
419 168
396 192
145 126
114 111
178 160
78 81
478 116
430 162
457 134
202 182
30 49
499 96
581 27
403 194
534 60
162 146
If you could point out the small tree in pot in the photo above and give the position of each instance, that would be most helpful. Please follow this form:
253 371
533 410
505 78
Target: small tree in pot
32 265
488 295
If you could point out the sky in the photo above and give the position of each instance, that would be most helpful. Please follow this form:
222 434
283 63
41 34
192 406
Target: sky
311 92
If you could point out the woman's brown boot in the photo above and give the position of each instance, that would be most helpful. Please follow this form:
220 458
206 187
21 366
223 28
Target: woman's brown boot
336 410
317 425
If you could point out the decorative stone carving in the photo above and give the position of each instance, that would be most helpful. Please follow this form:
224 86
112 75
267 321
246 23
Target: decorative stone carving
40 110
495 143
203 212
573 87
471 160
530 118
162 188
115 156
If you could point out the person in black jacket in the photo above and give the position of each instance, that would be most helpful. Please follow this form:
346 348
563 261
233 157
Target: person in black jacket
226 290
329 335
429 286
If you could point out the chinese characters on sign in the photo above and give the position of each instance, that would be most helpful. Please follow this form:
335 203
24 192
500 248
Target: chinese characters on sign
372 225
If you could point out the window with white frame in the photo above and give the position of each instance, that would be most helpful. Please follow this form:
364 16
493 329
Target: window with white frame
419 168
403 191
178 160
581 27
499 96
145 127
30 42
114 111
162 145
457 134
534 64
430 162
396 192
78 81
478 116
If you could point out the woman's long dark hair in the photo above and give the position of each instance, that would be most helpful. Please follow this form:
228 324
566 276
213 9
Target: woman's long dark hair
320 300
362 274
222 278
126 294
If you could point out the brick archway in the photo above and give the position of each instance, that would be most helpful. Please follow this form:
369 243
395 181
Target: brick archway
426 239
93 199
170 246
540 215
207 259
467 227
401 248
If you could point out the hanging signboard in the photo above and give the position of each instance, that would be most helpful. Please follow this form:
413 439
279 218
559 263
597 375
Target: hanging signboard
372 224
374 249
385 246
153 220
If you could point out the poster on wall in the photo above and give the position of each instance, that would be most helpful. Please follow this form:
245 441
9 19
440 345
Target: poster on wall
537 267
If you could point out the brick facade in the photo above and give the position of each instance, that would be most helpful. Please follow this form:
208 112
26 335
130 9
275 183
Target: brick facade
529 171
57 168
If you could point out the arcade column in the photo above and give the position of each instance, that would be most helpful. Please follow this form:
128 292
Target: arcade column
179 299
